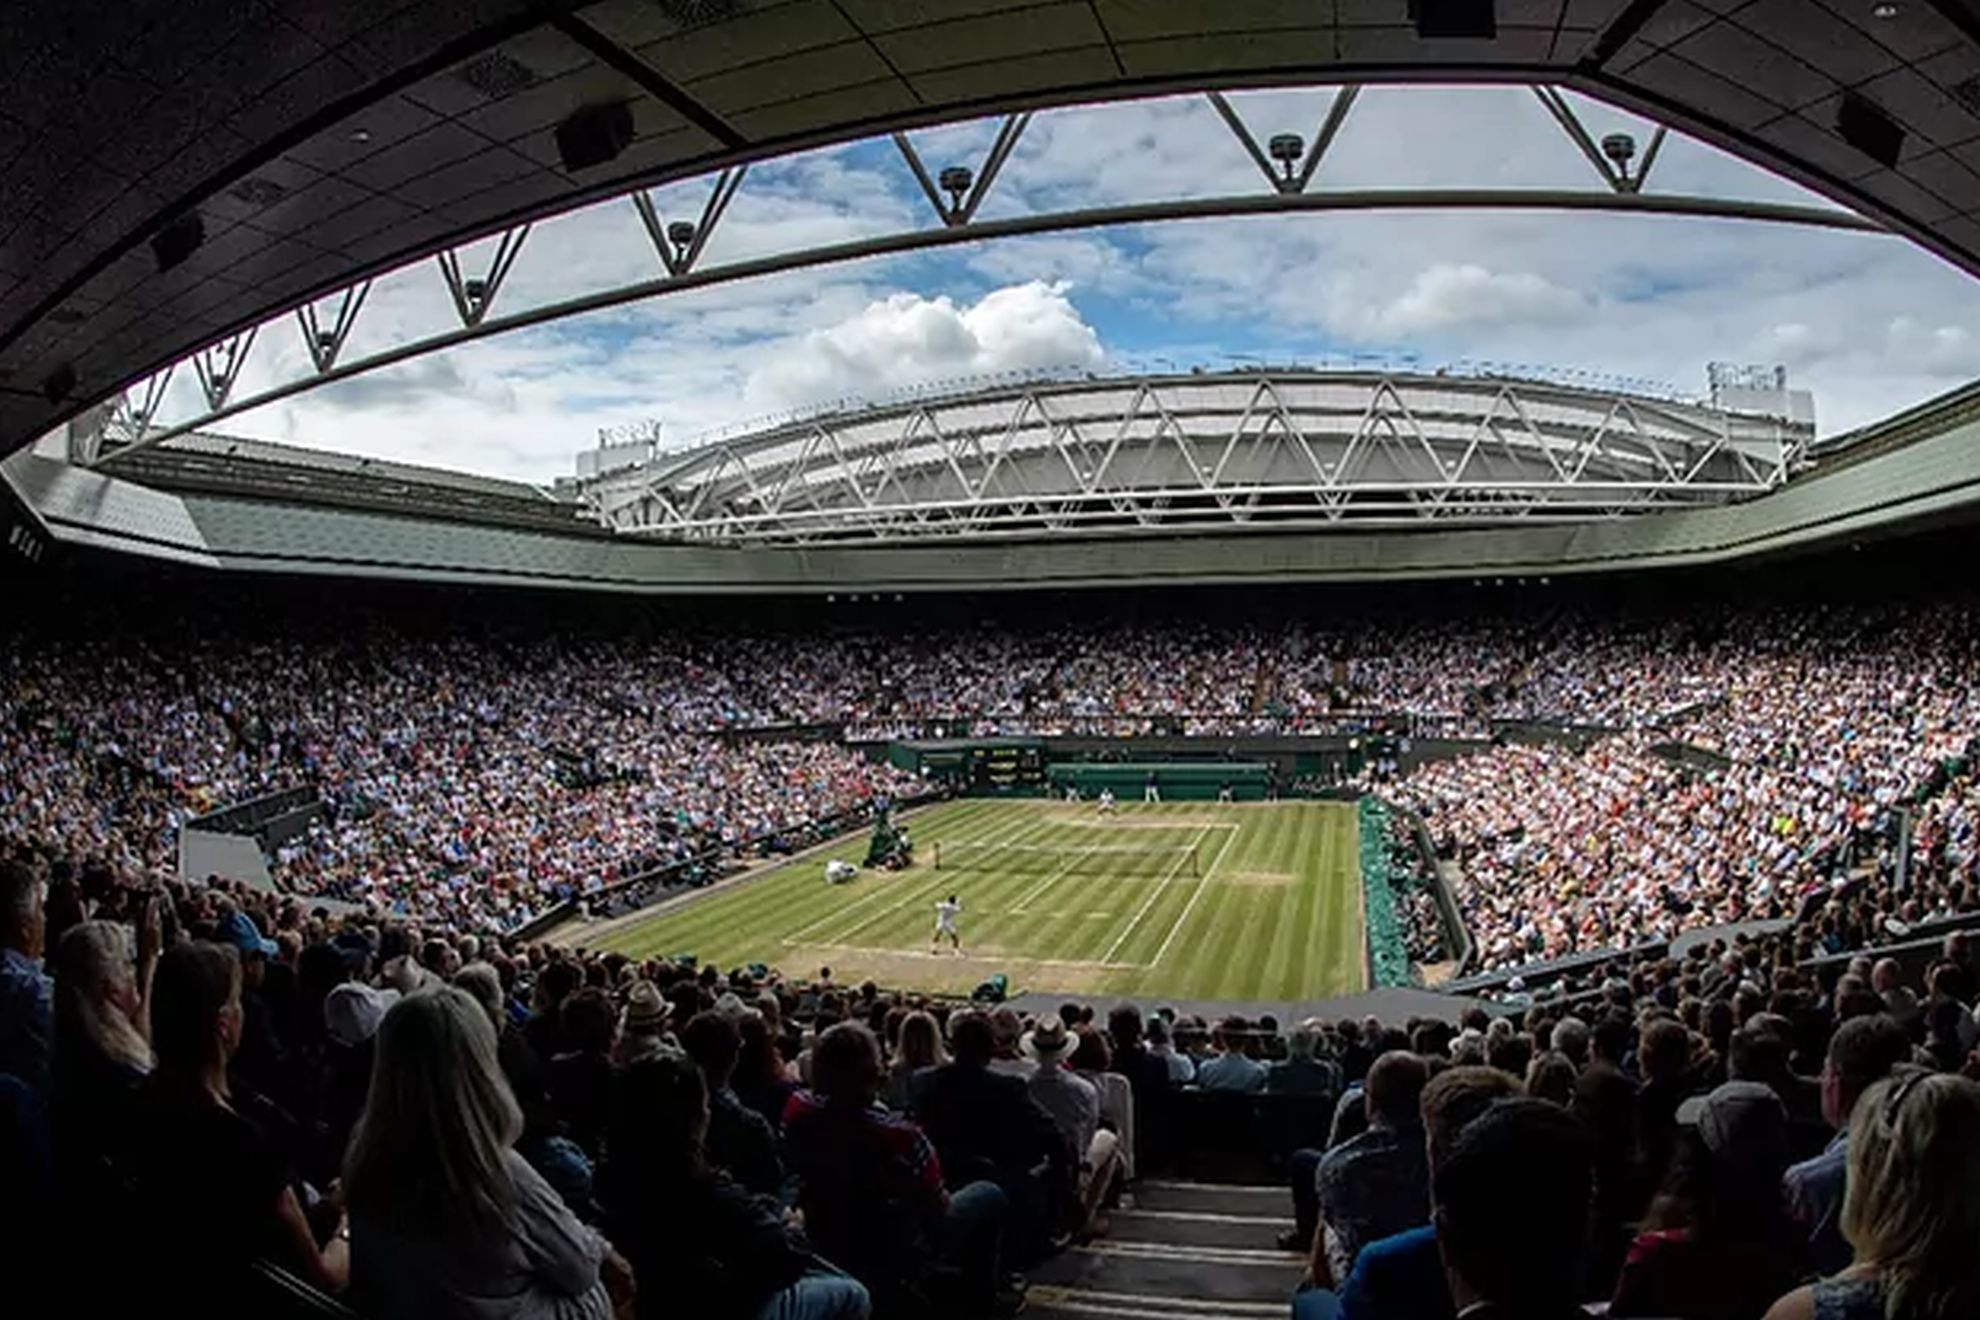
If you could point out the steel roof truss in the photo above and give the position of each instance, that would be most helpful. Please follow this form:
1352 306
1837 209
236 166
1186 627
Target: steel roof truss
324 345
474 296
218 366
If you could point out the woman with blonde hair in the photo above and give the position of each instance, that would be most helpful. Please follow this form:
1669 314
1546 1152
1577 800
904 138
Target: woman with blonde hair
920 1046
102 1051
1910 1210
446 1219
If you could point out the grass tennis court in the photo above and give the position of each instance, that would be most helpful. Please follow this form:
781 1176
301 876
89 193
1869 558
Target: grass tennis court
1186 900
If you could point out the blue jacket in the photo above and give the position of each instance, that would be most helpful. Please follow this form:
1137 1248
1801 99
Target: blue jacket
1400 1277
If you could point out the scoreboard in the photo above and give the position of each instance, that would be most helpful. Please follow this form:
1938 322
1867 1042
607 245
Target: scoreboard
1002 767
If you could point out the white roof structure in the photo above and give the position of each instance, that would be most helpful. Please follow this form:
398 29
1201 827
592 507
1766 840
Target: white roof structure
1269 449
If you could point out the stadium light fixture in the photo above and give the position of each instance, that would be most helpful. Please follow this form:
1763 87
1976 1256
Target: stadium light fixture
1288 149
956 181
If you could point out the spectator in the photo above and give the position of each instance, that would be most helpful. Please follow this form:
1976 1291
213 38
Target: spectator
1301 1072
1092 1061
1571 1039
737 1139
352 1013
214 1189
260 1060
102 1049
445 1218
581 1081
1717 1244
1373 1185
1663 1055
1519 1174
1182 1069
871 1188
705 1245
986 1126
1862 1053
27 994
762 1079
1229 1068
1146 1074
1074 1104
919 1048
1551 1076
645 1027
1910 1213
1400 1275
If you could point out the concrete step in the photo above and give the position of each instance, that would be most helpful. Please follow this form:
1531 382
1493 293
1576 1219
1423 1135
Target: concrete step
1195 1275
1050 1303
1213 1198
1197 1228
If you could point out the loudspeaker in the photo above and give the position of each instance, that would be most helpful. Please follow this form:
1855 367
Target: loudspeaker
594 135
60 383
1869 129
178 240
1455 18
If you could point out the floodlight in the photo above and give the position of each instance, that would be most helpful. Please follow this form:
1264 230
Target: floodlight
1619 148
955 181
1287 149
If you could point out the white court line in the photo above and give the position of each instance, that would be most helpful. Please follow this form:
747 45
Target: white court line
1063 871
1189 907
1158 891
838 913
979 957
1022 905
920 889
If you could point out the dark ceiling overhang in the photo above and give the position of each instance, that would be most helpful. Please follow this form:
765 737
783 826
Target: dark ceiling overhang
321 140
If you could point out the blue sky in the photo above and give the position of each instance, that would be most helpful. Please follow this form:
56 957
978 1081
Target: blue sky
1869 323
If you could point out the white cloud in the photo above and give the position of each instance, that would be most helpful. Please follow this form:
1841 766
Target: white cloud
907 339
1871 324
1445 297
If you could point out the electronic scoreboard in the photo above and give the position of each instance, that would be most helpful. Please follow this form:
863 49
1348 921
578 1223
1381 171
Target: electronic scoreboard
1000 767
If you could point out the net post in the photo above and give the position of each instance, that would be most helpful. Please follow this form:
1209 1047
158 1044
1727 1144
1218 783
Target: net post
938 854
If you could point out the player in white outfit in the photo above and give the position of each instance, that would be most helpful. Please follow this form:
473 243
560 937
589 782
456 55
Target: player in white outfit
946 912
1106 801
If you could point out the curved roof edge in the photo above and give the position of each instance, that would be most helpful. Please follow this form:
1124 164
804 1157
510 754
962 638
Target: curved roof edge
1933 479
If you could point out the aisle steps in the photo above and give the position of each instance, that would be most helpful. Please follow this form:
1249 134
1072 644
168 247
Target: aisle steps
1184 1251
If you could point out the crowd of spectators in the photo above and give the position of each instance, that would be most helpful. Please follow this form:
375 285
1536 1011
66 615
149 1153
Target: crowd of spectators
1746 1140
422 1118
479 777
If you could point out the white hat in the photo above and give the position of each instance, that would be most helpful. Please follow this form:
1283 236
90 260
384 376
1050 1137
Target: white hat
404 974
353 1010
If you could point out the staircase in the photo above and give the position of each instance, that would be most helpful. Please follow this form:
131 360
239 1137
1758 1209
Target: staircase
1264 685
1184 1251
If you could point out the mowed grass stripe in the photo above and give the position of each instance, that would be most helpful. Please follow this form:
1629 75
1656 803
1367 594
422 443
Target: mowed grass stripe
880 924
1244 935
910 922
716 926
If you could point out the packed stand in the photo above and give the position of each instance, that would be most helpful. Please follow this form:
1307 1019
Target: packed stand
419 1119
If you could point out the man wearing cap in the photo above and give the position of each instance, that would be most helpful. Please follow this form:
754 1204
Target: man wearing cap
259 1060
352 1012
1715 1243
1074 1104
1862 1053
